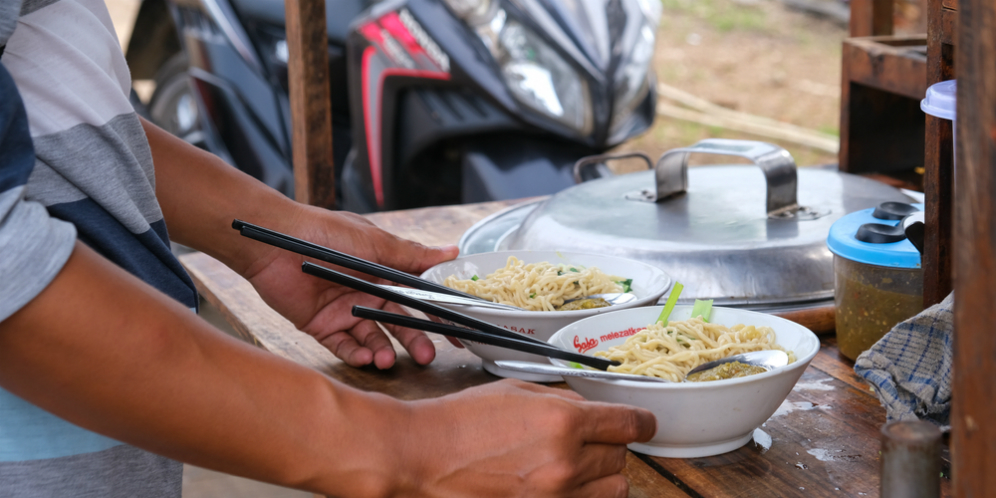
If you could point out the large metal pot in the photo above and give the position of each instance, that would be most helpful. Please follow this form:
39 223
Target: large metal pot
743 237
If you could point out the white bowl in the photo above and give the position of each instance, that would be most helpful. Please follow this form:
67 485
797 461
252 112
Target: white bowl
694 419
649 284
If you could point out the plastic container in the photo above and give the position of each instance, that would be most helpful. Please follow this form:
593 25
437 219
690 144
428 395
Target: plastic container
878 280
940 102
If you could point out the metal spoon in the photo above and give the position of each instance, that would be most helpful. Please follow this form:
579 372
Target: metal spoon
539 368
613 298
764 359
446 298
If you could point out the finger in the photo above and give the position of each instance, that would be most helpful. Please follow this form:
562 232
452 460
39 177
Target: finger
418 345
616 424
369 335
614 486
345 347
335 315
541 389
596 461
416 258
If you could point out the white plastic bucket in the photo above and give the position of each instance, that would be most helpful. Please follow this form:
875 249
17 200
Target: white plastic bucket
941 102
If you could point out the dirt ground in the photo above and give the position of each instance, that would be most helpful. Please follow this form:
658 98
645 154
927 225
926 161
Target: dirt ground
753 56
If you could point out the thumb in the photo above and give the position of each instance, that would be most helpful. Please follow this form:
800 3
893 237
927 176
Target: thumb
416 258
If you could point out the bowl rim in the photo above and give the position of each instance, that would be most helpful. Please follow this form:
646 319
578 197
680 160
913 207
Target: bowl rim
800 362
652 296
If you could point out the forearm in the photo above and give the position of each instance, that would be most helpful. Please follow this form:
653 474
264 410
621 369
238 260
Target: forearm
200 195
125 361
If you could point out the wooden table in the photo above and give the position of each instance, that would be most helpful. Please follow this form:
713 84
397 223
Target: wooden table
823 441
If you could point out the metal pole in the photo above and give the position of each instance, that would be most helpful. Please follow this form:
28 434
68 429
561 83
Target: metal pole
911 460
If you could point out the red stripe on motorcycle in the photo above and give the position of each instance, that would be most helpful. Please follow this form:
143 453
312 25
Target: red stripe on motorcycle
371 32
392 23
372 117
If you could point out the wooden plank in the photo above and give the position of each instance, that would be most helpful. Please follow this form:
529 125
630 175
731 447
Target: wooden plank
973 411
825 442
258 323
645 482
311 107
880 122
871 18
884 132
438 226
938 190
949 26
831 362
820 320
896 68
453 370
938 179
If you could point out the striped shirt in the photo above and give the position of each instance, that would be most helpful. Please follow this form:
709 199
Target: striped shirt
89 176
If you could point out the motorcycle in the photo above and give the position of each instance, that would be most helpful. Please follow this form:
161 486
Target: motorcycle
433 101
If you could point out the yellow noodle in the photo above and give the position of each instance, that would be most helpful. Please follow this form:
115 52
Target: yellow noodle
670 352
537 286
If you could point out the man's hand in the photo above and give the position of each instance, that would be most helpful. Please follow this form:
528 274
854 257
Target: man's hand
322 308
200 196
111 354
512 438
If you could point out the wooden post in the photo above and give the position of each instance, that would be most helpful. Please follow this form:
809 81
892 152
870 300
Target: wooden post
871 18
311 107
938 176
973 417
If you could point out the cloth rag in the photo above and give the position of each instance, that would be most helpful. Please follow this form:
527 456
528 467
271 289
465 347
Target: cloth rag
910 367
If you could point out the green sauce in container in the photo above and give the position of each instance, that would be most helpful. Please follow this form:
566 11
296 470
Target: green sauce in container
729 370
878 280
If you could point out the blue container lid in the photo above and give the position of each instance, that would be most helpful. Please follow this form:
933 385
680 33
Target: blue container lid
843 239
941 100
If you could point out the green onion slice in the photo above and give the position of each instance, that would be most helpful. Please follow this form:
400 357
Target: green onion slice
702 308
671 301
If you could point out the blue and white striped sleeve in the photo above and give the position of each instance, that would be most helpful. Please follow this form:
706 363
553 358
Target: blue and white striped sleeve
33 246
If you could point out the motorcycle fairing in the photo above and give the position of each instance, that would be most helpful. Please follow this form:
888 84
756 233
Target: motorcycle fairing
394 72
399 47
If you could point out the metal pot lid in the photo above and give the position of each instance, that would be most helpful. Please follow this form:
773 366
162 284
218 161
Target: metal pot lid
728 233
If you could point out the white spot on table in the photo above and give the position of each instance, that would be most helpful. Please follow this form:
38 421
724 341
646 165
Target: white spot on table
818 385
762 440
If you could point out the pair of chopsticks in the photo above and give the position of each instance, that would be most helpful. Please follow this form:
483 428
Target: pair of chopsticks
344 260
479 330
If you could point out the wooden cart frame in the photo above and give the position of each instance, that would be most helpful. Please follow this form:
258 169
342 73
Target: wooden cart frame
972 200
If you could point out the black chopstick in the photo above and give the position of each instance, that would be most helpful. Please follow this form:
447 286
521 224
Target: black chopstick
327 255
541 349
411 302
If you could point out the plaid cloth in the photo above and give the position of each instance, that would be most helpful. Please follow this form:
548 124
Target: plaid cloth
910 367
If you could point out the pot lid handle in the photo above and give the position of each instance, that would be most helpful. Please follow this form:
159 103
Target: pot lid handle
776 163
593 167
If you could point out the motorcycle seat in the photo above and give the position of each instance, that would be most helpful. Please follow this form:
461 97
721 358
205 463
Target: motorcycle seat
338 14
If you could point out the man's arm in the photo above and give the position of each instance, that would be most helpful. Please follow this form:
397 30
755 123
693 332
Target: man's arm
109 353
200 196
105 351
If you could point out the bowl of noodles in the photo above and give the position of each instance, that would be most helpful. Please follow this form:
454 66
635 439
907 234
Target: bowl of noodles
694 419
540 282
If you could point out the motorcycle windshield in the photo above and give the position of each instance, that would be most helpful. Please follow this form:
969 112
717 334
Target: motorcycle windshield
601 30
611 42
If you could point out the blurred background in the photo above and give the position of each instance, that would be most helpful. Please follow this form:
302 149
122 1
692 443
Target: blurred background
754 69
